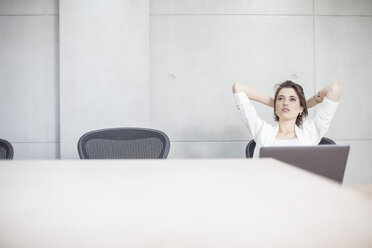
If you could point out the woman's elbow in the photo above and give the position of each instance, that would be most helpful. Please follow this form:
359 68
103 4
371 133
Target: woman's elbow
236 87
335 92
336 87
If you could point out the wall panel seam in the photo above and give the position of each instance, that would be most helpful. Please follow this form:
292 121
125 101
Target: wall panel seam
216 14
42 142
29 14
228 141
314 49
288 15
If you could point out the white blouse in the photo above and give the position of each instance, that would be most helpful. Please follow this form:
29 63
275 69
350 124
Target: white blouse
310 134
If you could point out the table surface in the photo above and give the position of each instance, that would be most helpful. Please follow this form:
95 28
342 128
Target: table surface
177 203
364 188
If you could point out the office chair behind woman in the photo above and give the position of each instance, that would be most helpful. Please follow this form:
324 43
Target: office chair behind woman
249 150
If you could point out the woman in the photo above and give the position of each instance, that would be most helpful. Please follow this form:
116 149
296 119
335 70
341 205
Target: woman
290 107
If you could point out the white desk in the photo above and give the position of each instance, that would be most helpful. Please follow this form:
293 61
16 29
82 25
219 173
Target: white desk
176 204
365 188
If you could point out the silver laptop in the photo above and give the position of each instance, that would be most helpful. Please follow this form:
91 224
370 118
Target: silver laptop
325 160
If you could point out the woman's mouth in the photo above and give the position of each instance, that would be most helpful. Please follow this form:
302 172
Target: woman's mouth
285 109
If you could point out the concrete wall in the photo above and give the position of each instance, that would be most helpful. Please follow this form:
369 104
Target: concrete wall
198 49
170 64
104 67
29 90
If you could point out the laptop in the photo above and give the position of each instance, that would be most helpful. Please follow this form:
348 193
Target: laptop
325 160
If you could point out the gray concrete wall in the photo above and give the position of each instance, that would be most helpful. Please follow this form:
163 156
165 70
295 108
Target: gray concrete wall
198 49
170 64
29 90
104 67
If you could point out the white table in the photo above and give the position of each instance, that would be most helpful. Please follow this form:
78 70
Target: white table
365 188
176 204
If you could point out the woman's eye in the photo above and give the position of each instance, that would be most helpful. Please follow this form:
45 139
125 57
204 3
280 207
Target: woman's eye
279 98
293 99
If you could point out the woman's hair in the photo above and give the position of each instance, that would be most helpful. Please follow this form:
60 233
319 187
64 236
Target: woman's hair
301 95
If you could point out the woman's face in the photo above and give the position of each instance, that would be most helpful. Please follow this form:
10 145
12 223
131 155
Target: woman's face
287 105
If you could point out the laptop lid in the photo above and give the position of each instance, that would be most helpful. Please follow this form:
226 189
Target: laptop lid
325 160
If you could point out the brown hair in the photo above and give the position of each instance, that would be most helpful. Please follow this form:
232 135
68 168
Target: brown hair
301 95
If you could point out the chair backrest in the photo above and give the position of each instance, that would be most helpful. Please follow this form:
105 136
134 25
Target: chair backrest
327 141
252 144
124 143
6 149
250 149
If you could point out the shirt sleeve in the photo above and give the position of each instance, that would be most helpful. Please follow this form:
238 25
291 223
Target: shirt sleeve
324 115
248 113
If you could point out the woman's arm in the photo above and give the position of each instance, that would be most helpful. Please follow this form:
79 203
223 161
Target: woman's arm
253 94
332 92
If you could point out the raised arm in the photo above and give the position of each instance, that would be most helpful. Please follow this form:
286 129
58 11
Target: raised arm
253 94
332 92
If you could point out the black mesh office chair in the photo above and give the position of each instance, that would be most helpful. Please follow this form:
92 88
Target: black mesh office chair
6 150
252 144
249 149
124 143
326 141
